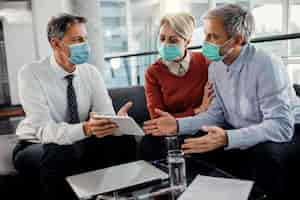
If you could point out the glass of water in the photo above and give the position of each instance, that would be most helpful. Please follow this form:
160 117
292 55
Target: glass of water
172 143
177 171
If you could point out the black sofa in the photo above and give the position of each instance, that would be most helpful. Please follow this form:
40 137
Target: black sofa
12 187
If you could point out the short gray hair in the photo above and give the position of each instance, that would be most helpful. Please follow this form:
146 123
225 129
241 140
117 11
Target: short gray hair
59 25
235 18
182 23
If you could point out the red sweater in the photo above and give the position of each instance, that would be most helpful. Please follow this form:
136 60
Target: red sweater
174 94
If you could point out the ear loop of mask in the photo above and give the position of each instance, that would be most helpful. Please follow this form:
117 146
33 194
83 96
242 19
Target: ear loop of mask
229 51
63 53
232 49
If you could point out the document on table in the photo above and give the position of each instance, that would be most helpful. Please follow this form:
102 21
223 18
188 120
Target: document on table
212 188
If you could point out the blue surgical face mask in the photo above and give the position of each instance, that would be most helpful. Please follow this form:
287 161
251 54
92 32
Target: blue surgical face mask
79 53
213 51
169 52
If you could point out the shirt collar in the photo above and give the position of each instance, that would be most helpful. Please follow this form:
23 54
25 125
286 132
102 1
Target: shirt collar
173 67
239 62
60 72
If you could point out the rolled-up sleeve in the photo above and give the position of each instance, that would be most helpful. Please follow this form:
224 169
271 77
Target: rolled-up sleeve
274 105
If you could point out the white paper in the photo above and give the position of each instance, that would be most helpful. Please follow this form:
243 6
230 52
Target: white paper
212 188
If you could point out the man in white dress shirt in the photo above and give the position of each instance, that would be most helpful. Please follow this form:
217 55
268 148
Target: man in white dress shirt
59 94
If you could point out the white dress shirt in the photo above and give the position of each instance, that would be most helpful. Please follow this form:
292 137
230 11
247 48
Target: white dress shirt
174 67
43 95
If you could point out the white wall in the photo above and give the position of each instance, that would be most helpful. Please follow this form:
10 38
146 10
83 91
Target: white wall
25 32
25 35
42 11
18 38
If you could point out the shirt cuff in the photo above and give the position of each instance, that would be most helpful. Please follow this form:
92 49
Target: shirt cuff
184 125
76 133
234 139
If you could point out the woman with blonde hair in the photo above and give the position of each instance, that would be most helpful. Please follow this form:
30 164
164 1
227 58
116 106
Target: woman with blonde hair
178 81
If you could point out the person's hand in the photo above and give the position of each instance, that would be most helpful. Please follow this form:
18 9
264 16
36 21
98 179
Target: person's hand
216 138
207 98
164 125
98 126
125 108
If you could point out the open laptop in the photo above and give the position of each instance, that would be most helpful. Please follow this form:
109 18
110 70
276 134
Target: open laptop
115 178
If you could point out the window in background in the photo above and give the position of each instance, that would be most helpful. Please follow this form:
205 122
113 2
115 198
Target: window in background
268 17
269 20
115 40
294 45
294 27
198 8
128 26
133 26
294 71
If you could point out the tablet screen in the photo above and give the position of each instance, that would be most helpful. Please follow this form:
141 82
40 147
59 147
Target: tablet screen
127 125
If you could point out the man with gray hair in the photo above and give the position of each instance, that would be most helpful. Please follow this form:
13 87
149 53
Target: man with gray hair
60 94
255 104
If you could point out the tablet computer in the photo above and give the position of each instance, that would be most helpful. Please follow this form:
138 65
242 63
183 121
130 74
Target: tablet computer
127 125
115 178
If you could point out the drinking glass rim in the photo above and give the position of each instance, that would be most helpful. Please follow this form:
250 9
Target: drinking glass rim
171 137
175 152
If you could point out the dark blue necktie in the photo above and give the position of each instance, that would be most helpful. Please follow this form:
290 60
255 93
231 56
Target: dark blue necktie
72 102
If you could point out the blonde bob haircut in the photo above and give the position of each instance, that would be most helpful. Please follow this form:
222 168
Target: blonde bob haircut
182 23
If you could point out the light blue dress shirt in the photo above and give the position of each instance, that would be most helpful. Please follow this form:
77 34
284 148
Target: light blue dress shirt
253 96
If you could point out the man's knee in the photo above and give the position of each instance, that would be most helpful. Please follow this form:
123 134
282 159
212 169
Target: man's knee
279 154
59 160
270 163
27 158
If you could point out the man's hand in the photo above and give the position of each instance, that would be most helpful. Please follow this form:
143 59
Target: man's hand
216 138
125 108
98 126
164 125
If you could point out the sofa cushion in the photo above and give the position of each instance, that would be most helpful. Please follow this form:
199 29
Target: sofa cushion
136 94
119 97
297 89
7 144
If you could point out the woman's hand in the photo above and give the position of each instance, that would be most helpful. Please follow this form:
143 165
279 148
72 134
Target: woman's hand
207 98
164 125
